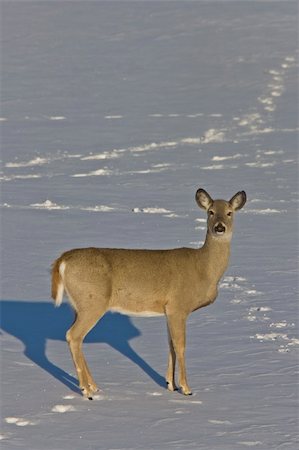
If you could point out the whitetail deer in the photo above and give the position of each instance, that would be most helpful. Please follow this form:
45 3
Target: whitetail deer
172 282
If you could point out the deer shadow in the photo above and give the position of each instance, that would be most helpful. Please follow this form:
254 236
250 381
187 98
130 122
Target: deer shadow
33 323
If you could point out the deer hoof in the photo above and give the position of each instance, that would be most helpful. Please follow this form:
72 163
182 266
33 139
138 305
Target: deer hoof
89 391
171 386
186 391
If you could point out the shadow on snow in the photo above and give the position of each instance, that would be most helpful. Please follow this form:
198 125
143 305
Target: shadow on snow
33 323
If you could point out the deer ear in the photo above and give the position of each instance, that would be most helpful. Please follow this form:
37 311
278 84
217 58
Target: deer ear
238 200
203 199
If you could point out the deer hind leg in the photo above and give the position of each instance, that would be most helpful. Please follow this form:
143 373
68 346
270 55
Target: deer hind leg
177 329
170 374
84 322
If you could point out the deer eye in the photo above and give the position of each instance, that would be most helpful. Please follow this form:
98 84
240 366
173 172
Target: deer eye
211 213
229 214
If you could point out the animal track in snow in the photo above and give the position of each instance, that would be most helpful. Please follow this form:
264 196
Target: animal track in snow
155 394
253 122
104 155
151 210
271 336
214 136
281 324
52 206
48 204
250 443
63 408
262 314
57 118
252 314
275 87
265 211
94 173
19 421
219 167
38 161
286 342
219 422
19 177
186 401
224 158
239 286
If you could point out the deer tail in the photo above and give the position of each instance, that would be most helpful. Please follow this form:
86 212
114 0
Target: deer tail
57 281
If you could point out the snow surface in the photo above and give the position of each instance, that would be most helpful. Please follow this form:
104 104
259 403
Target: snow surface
113 114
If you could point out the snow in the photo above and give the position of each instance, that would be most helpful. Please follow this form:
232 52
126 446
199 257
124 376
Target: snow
113 114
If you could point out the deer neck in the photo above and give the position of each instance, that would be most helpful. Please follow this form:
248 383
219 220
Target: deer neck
216 253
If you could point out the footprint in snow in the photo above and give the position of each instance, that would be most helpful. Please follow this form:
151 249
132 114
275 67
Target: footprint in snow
19 421
63 408
186 401
257 313
240 287
250 443
155 394
219 422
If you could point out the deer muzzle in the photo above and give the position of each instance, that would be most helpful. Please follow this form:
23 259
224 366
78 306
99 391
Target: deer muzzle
219 228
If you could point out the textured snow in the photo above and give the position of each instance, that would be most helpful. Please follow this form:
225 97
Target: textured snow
113 114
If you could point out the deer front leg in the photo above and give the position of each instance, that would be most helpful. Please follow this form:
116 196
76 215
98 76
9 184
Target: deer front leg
177 329
170 374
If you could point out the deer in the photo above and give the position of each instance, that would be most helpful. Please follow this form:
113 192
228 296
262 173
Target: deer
144 282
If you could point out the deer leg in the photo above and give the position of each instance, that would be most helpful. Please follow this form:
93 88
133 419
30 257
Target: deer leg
177 329
84 322
170 374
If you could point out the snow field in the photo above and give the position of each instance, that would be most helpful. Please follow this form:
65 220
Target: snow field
112 118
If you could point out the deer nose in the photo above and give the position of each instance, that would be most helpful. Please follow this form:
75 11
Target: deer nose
219 228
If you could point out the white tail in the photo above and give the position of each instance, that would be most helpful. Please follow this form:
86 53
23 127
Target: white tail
57 283
172 282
